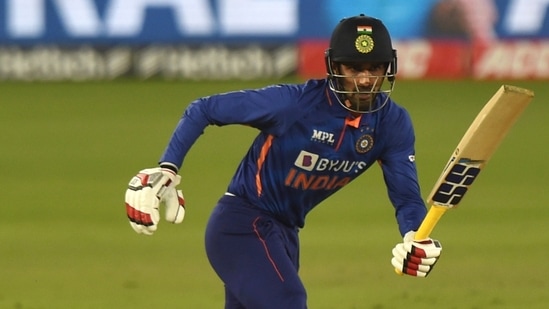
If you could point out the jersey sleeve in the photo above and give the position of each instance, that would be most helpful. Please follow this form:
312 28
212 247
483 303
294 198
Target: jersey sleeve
269 109
400 174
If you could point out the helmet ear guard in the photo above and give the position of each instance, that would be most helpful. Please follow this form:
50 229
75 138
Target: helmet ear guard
392 70
328 62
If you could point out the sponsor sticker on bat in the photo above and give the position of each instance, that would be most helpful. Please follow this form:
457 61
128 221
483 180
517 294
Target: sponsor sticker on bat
459 177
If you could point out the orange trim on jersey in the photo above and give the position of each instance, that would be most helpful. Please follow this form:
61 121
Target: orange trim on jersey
328 96
353 122
262 154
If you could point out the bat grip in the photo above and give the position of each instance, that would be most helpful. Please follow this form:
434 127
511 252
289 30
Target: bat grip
431 219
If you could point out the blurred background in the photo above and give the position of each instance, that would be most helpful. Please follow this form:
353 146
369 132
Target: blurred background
247 39
90 91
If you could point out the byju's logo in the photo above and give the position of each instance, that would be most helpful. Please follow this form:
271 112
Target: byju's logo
316 173
306 160
312 162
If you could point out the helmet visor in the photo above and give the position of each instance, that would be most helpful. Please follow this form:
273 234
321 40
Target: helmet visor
359 92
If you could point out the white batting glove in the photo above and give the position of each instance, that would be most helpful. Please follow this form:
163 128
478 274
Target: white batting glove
146 191
416 257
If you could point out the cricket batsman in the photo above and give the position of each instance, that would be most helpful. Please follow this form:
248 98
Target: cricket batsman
313 139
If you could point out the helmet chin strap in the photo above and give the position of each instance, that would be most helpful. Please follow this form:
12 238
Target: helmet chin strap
356 104
348 105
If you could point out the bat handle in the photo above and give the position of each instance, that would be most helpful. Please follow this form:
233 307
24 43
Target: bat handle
431 219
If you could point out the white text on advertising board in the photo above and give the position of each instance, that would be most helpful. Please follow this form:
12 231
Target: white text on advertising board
125 18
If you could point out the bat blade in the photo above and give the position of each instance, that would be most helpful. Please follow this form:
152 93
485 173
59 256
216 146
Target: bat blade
475 149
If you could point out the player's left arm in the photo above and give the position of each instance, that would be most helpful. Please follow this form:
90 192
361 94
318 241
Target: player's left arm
415 258
399 169
412 257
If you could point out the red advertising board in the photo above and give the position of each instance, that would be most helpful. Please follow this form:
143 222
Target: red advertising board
432 59
416 59
435 59
511 60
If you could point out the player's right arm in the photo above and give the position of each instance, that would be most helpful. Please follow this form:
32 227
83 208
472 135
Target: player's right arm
268 109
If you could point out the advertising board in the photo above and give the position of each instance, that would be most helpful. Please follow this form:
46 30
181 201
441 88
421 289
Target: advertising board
147 21
91 39
483 39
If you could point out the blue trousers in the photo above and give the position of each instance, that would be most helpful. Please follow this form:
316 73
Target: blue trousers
256 257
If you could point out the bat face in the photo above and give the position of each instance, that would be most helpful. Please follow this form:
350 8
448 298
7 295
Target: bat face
478 144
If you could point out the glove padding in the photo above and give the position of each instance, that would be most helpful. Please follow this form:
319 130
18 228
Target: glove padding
146 191
416 257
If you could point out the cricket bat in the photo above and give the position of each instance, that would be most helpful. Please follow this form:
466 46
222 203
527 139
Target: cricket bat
476 147
473 152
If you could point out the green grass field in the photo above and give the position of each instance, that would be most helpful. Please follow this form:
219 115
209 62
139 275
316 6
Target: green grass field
69 149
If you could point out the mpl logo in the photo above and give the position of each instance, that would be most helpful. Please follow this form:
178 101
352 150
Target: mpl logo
323 137
28 19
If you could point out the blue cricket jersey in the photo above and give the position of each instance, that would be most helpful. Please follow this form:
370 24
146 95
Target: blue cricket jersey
308 148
